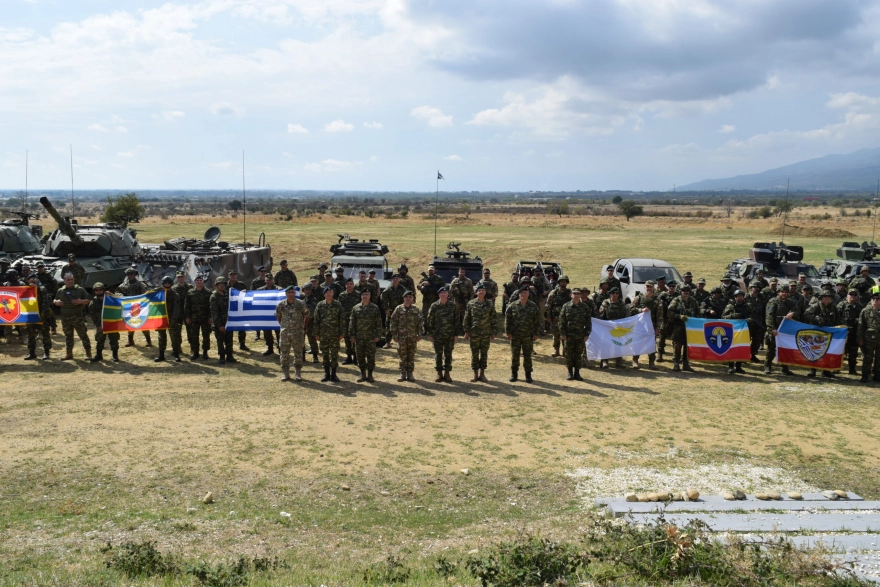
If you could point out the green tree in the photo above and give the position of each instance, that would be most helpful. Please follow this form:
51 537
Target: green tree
783 207
616 200
559 207
235 205
630 209
127 206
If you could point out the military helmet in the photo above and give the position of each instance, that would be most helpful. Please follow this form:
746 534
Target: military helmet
686 287
167 279
755 286
232 272
220 280
98 285
180 273
131 271
826 294
688 274
32 276
717 290
563 277
701 280
11 273
739 292
726 277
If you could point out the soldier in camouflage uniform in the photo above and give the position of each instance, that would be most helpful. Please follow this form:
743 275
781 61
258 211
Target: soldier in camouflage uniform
680 309
842 290
462 291
541 285
331 283
364 331
738 309
407 325
197 315
646 302
714 307
311 297
522 325
863 284
701 294
823 314
44 305
371 279
509 291
777 308
443 325
232 283
429 286
75 269
574 324
406 280
728 286
219 304
849 311
665 299
757 308
869 338
269 335
349 299
688 279
96 313
364 285
796 298
173 305
612 309
340 278
480 324
560 296
70 298
610 279
132 286
601 294
285 277
51 285
329 331
391 298
759 280
181 288
771 291
292 315
258 283
490 286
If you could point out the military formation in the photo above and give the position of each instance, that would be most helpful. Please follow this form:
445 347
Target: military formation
332 316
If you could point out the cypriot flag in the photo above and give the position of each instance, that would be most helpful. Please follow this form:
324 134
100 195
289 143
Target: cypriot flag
612 339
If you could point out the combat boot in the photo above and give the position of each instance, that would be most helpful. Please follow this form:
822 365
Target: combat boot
447 377
730 369
686 365
45 356
99 356
194 356
326 377
230 358
660 356
652 363
115 355
852 369
636 363
88 354
221 360
812 373
269 351
864 378
618 364
314 357
603 364
333 376
176 356
243 347
363 376
205 354
768 370
409 376
402 376
476 376
297 371
130 340
31 356
149 340
577 374
347 360
675 366
160 358
285 373
739 368
528 376
370 376
828 375
439 377
786 370
755 359
876 377
556 351
570 374
514 375
483 376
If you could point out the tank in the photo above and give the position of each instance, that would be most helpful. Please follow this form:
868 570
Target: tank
18 238
353 255
447 267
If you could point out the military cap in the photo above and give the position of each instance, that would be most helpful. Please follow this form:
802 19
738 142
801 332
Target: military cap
755 286
373 271
794 284
179 273
167 279
431 266
716 290
649 282
290 288
322 266
480 286
826 294
395 276
685 287
853 292
283 262
232 272
701 280
875 295
614 290
671 282
563 277
406 293
804 275
98 285
199 276
270 277
808 286
529 279
326 289
40 264
220 280
442 290
307 286
661 278
32 276
261 268
739 292
688 274
610 267
326 273
759 270
71 256
313 278
524 289
865 268
340 270
577 290
774 280
841 282
827 283
11 271
131 271
603 280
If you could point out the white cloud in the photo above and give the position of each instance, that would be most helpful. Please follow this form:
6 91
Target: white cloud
297 129
373 158
331 165
121 129
224 108
374 125
434 116
452 158
338 126
727 128
125 154
97 127
173 114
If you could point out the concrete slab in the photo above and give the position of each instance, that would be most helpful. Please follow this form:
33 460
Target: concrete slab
762 522
603 501
621 508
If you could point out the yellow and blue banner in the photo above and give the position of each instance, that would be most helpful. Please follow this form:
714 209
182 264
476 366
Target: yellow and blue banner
718 340
19 305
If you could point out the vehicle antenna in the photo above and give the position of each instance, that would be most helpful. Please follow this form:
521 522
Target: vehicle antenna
785 210
244 198
24 201
436 205
876 192
72 200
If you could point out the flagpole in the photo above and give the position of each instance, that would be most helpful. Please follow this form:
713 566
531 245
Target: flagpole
436 204
244 198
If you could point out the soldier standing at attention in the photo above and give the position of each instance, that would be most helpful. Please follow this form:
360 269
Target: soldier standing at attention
311 303
701 294
522 325
173 305
822 314
340 279
575 325
405 279
292 315
612 309
757 307
541 287
407 325
132 286
391 298
738 309
869 338
680 309
759 280
44 305
257 283
480 323
509 291
181 288
560 296
329 330
70 298
232 283
490 286
51 286
610 279
646 302
349 299
849 311
285 277
462 291
443 325
197 314
429 286
96 313
364 331
331 283
269 334
219 303
665 299
75 269
777 308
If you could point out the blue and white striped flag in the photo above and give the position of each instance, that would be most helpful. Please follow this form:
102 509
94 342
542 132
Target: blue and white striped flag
253 310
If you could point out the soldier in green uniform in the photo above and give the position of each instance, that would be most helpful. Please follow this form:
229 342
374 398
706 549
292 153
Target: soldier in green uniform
601 294
293 316
777 308
173 305
443 325
646 302
331 283
612 309
728 286
738 309
51 285
759 280
70 298
219 304
405 279
96 313
665 298
75 269
701 294
714 307
339 278
863 284
823 314
849 311
329 331
364 331
489 284
391 298
407 325
869 338
680 309
132 286
232 283
522 325
260 280
462 291
610 279
771 291
757 308
285 277
574 324
197 315
541 285
480 324
365 284
349 299
796 298
509 291
842 289
371 279
688 279
268 335
311 300
181 288
428 286
44 305
560 296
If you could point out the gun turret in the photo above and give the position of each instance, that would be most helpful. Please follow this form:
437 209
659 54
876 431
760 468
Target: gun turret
25 216
63 225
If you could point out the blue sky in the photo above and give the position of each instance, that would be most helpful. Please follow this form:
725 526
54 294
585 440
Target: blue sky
379 94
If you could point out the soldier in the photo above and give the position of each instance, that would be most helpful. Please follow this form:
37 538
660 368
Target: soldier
329 330
285 277
340 279
757 308
70 298
647 302
232 283
364 284
320 274
329 282
132 286
371 279
44 305
680 309
557 298
405 279
771 291
364 331
759 280
601 294
311 300
269 335
728 286
181 287
462 291
509 291
688 279
575 324
96 313
863 283
541 286
738 309
869 338
842 289
443 325
197 315
823 314
407 324
714 307
260 281
46 279
480 324
429 286
610 279
219 302
664 300
777 308
293 316
534 296
849 311
701 294
391 298
75 269
796 298
522 324
173 305
490 286
801 281
612 309
349 299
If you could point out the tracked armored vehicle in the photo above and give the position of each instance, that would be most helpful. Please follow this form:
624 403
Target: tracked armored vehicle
18 238
851 257
353 255
781 261
447 267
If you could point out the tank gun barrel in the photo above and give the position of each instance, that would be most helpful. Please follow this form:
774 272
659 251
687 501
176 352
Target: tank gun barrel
63 225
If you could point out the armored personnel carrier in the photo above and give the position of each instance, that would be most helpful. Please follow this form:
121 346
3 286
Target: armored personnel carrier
19 238
353 255
851 257
447 267
781 261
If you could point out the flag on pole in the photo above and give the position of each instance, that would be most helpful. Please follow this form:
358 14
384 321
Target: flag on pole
135 313
439 176
253 310
814 347
18 305
718 340
626 337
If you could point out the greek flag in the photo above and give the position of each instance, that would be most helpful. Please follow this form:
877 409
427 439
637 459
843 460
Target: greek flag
253 310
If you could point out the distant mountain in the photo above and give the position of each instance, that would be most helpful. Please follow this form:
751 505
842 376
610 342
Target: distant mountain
855 171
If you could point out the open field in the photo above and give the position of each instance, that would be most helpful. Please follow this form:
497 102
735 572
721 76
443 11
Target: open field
98 453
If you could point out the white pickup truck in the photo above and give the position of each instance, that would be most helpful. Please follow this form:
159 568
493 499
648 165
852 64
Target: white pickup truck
633 273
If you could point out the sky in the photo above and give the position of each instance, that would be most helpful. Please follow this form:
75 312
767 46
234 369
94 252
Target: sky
381 94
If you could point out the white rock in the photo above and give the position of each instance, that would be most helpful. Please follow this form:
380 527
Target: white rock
795 495
465 471
831 495
841 493
209 498
728 496
693 494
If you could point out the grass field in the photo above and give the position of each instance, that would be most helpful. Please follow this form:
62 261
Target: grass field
91 454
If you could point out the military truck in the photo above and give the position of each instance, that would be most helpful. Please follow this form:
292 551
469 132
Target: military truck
851 257
354 255
784 262
454 259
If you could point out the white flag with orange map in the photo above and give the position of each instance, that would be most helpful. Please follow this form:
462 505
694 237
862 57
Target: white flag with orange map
612 339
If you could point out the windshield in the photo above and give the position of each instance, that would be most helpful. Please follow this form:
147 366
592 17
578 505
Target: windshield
643 274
